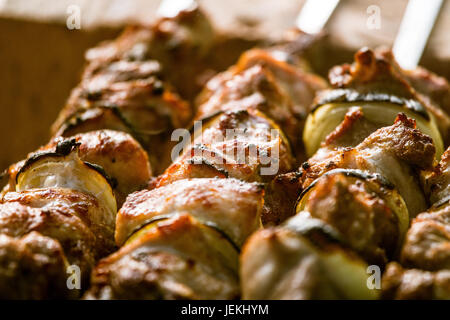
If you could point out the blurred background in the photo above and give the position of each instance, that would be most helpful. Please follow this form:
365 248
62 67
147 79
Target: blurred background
41 59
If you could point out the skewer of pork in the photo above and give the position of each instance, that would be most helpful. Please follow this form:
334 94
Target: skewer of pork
191 199
258 95
376 84
128 96
123 86
122 94
180 241
423 270
353 211
59 209
187 230
60 204
122 90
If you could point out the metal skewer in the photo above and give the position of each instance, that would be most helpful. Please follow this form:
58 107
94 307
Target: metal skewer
315 14
415 29
171 8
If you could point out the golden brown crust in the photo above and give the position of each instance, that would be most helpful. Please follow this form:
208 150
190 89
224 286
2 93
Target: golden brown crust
74 236
189 169
427 243
232 205
127 96
176 259
372 72
32 267
120 156
405 141
41 240
239 144
396 152
283 92
245 145
80 208
414 284
365 221
377 72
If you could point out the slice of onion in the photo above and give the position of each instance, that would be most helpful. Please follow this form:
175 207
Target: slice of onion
321 122
391 196
215 237
52 170
342 270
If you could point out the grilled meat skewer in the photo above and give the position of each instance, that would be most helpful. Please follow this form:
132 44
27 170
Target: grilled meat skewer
252 99
182 237
122 90
353 211
180 241
59 210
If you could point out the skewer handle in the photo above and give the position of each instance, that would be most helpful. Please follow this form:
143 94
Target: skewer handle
315 14
415 29
170 8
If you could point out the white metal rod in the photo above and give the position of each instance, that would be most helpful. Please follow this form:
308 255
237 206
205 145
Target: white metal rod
315 14
415 29
171 8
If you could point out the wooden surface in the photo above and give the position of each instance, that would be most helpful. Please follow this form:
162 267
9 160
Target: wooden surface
41 58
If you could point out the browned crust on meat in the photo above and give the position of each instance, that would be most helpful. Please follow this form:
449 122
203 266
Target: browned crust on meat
75 237
406 142
371 72
32 267
377 72
351 131
427 244
259 81
415 284
122 158
210 156
172 261
220 201
280 197
438 183
365 221
401 139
